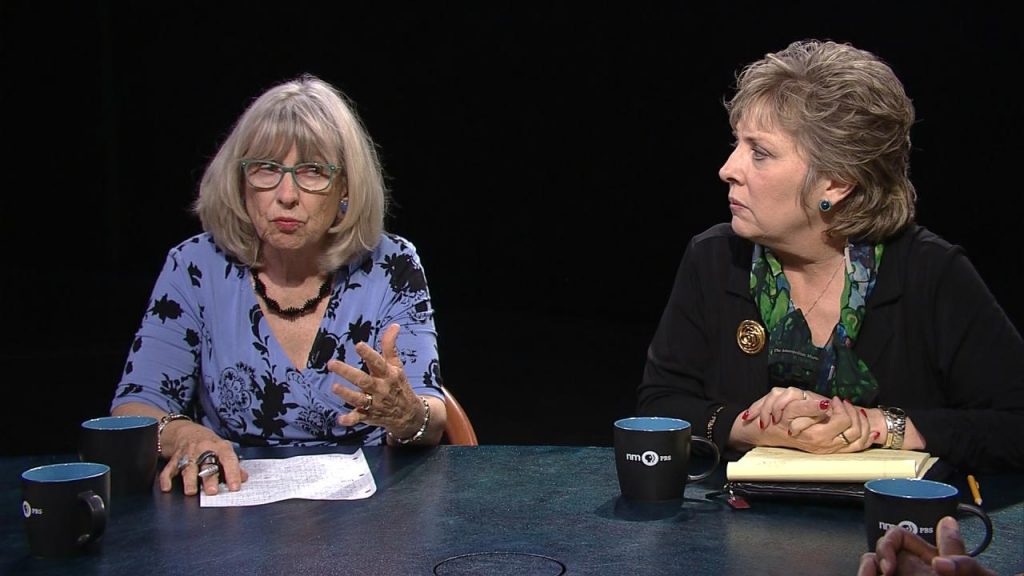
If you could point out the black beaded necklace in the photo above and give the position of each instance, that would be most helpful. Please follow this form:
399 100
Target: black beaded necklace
293 312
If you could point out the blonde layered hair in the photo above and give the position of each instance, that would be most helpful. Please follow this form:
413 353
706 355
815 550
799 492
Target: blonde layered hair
851 119
322 125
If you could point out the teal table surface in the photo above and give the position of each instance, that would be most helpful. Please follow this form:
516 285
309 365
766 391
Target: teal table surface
484 510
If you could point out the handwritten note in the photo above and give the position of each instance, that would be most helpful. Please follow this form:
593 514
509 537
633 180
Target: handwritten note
315 477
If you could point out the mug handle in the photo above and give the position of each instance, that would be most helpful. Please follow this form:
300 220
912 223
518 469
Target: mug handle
714 450
971 509
97 517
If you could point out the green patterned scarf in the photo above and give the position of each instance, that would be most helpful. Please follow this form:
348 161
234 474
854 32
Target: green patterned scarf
793 359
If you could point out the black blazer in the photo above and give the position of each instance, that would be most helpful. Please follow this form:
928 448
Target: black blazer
934 337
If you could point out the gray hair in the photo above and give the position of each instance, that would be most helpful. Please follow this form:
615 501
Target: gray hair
320 123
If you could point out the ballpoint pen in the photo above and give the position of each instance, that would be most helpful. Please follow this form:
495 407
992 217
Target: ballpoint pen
975 488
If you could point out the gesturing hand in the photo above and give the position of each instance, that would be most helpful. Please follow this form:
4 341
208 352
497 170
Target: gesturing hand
385 397
901 552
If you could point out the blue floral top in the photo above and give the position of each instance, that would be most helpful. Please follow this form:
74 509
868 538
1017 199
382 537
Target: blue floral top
205 349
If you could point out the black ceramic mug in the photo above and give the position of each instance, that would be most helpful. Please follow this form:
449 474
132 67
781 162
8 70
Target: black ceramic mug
65 507
652 457
916 506
125 443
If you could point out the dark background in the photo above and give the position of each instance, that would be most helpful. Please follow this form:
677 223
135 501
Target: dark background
550 162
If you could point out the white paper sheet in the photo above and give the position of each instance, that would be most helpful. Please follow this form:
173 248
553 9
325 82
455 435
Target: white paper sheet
314 477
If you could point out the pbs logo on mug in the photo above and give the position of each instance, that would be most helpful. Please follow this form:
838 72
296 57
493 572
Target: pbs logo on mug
907 525
648 458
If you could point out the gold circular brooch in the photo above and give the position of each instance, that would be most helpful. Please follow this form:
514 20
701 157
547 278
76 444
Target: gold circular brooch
750 336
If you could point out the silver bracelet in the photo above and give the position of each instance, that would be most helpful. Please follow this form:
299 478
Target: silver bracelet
711 423
164 421
423 428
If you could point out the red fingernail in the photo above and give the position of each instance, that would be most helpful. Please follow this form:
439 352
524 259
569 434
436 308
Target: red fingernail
875 434
864 412
789 432
847 401
773 418
824 404
746 414
760 424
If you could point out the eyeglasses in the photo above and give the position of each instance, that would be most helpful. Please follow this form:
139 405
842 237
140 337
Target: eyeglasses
309 176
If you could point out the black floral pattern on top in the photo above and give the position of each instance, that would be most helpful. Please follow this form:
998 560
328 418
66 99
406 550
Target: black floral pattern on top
208 350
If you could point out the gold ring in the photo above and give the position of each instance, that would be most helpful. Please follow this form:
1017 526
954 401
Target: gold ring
368 403
805 394
843 436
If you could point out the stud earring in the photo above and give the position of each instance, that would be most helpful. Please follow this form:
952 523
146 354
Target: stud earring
825 205
343 208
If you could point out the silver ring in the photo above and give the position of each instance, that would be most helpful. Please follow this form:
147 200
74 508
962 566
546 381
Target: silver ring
209 470
843 436
368 403
207 457
183 462
208 464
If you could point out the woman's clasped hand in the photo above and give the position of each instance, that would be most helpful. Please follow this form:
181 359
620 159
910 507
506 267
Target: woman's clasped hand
796 418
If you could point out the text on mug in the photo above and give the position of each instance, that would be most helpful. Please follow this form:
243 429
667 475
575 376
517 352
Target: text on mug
649 458
907 525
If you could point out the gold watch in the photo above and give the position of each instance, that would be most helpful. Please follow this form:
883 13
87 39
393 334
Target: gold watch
896 426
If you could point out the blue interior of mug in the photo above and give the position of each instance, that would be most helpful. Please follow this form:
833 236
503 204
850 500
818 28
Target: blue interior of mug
652 424
910 488
65 472
119 422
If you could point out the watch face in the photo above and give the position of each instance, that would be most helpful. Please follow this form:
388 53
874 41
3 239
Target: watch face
896 411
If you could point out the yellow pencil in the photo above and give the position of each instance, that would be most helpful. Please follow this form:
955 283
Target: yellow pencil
975 488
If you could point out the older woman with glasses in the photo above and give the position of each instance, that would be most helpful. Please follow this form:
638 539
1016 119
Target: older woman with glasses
293 319
821 317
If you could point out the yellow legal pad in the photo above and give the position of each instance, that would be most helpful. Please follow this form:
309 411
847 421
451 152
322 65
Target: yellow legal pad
767 464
